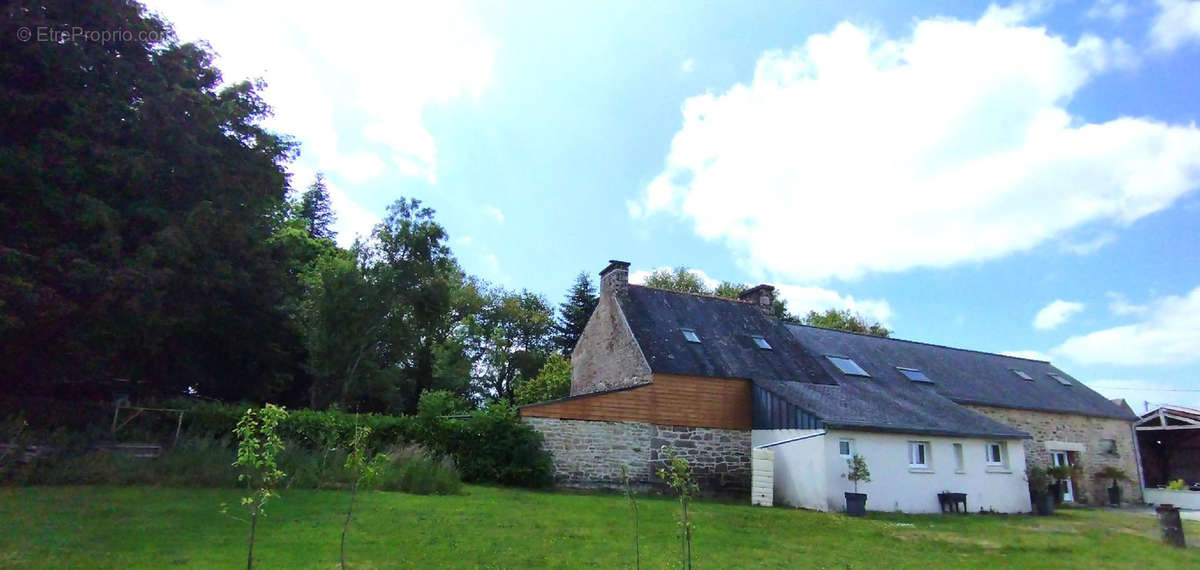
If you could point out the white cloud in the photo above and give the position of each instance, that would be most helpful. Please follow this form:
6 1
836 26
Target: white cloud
352 220
1031 354
1089 246
495 213
379 73
1054 314
1169 334
1120 306
951 145
1111 10
800 298
1177 23
688 65
465 240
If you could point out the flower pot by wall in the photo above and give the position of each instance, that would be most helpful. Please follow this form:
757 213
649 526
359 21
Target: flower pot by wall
856 504
1043 504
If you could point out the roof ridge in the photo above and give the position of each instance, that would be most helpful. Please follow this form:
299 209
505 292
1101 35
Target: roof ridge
701 295
918 342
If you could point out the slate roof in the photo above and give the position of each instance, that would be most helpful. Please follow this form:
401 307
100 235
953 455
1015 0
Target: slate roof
963 376
796 369
725 328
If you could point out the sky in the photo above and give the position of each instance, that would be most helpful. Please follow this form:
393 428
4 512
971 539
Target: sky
1017 178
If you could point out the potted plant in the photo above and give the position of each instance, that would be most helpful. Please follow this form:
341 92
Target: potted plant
1114 474
1058 474
1039 490
856 471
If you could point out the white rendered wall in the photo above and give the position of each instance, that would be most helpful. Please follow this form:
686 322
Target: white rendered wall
895 486
1182 499
799 467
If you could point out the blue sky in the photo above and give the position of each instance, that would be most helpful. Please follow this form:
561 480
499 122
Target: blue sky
1014 177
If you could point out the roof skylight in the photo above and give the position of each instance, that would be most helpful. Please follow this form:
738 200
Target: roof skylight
761 342
690 335
914 374
847 366
1060 379
1021 374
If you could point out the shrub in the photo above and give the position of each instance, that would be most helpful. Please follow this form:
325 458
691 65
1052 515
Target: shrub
1177 485
493 445
412 469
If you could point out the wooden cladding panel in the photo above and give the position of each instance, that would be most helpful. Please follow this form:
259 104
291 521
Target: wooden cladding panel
669 400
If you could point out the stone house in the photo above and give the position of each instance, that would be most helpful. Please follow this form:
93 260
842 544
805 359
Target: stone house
717 378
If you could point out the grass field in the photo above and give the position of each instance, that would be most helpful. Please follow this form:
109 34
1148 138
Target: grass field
147 527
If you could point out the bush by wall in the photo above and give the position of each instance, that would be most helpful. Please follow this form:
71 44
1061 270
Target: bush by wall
490 445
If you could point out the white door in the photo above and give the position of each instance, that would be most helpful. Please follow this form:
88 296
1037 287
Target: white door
1061 458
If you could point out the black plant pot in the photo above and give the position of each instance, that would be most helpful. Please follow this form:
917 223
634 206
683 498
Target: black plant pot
1114 496
856 504
1043 504
1057 490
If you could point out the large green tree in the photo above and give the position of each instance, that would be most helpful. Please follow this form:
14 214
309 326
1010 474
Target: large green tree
574 312
678 279
139 196
385 319
845 320
513 335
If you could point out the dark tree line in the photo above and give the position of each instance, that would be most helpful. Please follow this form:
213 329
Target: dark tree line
147 233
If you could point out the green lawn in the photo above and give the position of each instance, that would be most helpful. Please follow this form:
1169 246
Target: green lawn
146 527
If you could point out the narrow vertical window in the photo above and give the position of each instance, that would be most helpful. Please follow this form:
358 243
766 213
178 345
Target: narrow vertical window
995 453
918 454
846 448
959 464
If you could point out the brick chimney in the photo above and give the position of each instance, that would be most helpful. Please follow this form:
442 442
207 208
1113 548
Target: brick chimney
761 296
614 279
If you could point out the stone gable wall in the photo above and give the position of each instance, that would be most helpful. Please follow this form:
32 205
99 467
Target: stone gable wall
589 454
1085 430
607 356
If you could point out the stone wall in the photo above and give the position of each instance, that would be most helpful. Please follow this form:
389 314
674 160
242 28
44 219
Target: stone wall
589 454
607 356
1075 429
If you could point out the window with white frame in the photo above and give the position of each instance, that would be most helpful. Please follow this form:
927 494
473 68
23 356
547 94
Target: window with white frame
918 454
846 448
959 464
997 455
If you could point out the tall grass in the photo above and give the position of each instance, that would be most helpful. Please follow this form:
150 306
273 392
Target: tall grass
412 469
208 462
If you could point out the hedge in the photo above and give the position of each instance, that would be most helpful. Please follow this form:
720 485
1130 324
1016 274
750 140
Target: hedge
490 445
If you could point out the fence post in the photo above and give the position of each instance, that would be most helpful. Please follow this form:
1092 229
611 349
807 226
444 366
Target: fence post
1172 527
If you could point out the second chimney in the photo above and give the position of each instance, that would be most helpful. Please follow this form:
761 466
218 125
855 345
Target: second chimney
761 296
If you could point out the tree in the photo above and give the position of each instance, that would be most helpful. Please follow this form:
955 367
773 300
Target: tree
730 290
844 320
258 446
511 339
679 279
552 382
382 317
574 313
678 475
140 195
315 210
363 472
